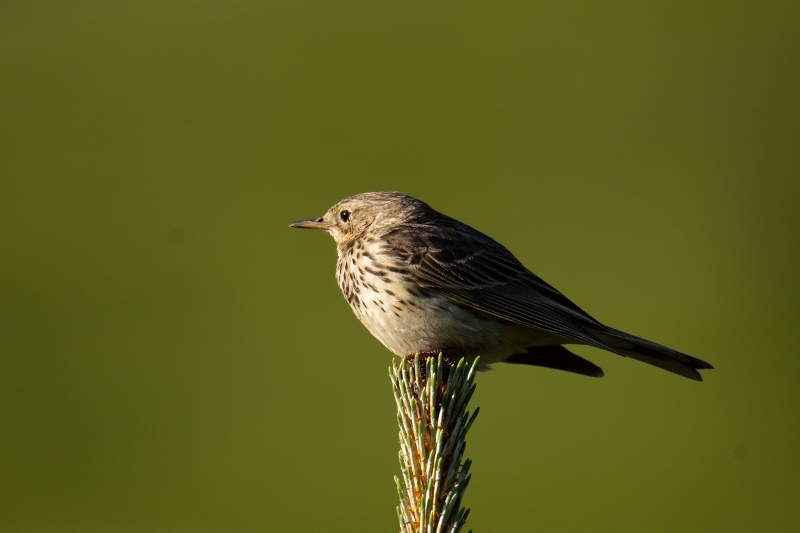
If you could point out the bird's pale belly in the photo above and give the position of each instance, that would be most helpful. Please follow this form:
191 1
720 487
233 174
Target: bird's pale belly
428 324
424 321
408 318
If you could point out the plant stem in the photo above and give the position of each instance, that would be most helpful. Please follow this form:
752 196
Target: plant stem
432 398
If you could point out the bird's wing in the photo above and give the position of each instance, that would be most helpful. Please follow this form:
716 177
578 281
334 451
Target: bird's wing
474 270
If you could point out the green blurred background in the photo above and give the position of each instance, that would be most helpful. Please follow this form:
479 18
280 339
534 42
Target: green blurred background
174 358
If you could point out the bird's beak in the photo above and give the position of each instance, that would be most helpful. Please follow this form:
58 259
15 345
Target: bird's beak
311 223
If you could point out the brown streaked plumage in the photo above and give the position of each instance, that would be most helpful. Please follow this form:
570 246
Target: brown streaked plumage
421 281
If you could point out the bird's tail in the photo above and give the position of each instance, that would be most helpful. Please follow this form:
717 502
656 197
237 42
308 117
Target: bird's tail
651 352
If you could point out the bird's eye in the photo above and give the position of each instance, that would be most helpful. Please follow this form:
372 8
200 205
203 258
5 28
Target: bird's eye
345 216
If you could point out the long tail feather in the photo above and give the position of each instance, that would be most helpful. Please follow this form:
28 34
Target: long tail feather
652 353
557 357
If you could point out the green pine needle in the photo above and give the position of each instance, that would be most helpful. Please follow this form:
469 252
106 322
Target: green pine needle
433 420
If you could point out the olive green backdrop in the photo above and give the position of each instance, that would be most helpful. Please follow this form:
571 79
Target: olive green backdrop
174 358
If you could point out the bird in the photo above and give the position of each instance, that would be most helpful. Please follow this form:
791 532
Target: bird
424 283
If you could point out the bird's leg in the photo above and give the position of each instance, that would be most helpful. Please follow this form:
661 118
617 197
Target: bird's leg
448 361
421 371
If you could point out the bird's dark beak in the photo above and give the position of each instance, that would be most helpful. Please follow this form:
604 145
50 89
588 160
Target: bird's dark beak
311 223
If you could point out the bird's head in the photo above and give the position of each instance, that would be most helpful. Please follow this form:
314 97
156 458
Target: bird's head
353 217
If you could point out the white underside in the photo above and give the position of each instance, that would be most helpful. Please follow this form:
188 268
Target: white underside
435 323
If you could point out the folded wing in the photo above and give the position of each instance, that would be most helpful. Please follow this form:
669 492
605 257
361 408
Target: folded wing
474 270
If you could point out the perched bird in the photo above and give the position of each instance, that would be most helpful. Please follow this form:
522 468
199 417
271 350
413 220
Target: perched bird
422 282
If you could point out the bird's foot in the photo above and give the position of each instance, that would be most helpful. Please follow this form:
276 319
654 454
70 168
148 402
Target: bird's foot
448 361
